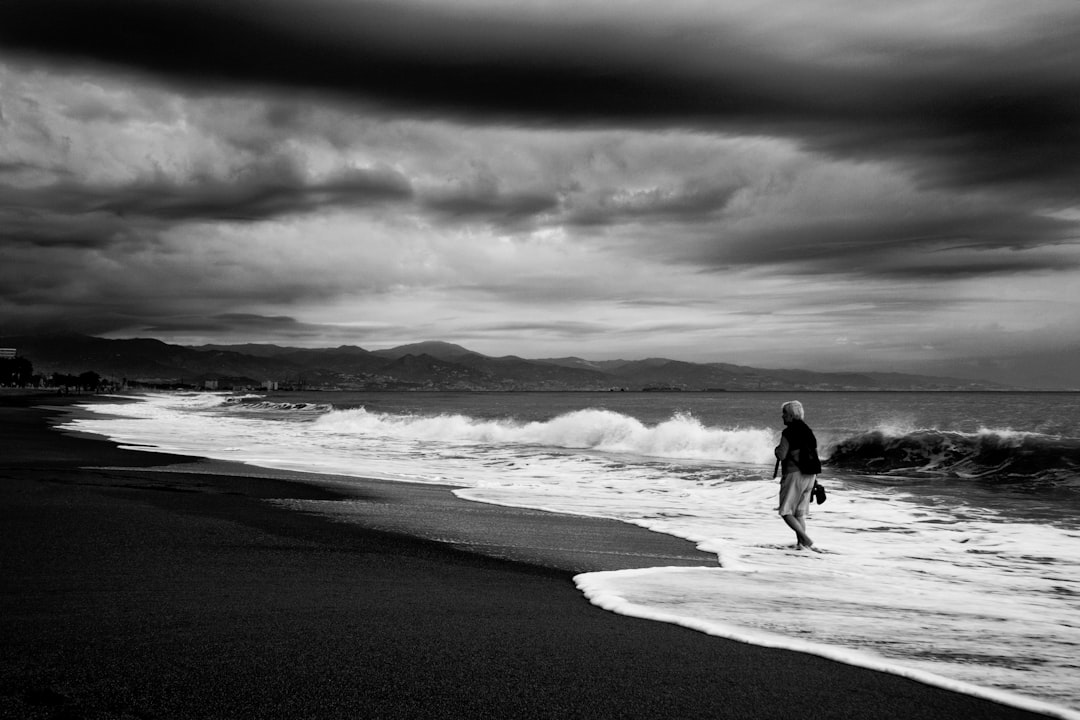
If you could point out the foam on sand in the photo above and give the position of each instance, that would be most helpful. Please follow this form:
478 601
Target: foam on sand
617 591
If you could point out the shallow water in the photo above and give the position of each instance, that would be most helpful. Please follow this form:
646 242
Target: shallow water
951 534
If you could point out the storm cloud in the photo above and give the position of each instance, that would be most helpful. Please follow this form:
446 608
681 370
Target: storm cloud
545 177
996 106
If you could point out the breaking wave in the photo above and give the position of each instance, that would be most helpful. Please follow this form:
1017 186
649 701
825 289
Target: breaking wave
997 454
898 452
682 436
256 403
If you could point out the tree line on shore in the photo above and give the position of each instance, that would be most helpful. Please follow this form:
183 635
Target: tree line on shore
19 372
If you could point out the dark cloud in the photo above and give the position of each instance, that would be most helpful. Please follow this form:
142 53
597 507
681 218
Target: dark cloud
689 201
686 202
51 320
1001 130
498 208
45 226
961 245
237 324
222 328
421 58
568 328
257 198
14 167
79 214
1005 111
935 268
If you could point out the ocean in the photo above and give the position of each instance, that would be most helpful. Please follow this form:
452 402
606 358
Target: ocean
950 536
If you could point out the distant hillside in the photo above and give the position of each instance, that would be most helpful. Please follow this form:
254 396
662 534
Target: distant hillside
426 366
434 348
148 360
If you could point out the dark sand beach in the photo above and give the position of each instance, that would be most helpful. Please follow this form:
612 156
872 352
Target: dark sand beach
141 585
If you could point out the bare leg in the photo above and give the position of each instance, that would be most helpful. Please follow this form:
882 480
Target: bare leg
797 524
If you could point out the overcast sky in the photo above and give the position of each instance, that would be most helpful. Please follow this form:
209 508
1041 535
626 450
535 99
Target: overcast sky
868 185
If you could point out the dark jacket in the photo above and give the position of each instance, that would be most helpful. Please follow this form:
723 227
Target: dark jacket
799 436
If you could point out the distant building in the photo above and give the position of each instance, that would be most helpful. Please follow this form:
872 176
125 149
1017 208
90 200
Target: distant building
7 353
270 385
210 385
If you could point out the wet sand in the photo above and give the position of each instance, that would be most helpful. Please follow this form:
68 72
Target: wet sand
142 585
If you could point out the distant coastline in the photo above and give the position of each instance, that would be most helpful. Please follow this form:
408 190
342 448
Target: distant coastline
428 366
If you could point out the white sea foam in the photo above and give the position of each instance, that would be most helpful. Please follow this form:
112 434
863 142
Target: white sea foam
949 592
661 594
681 437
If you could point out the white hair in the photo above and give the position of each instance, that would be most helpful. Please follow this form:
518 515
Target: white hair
795 408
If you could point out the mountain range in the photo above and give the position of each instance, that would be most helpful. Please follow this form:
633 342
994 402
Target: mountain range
424 366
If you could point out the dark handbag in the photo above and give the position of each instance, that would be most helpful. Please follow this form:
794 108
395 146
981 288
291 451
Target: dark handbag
819 493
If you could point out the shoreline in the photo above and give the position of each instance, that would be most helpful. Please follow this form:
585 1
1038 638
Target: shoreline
158 585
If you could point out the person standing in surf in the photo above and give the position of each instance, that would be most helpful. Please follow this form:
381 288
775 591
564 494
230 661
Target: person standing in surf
797 449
